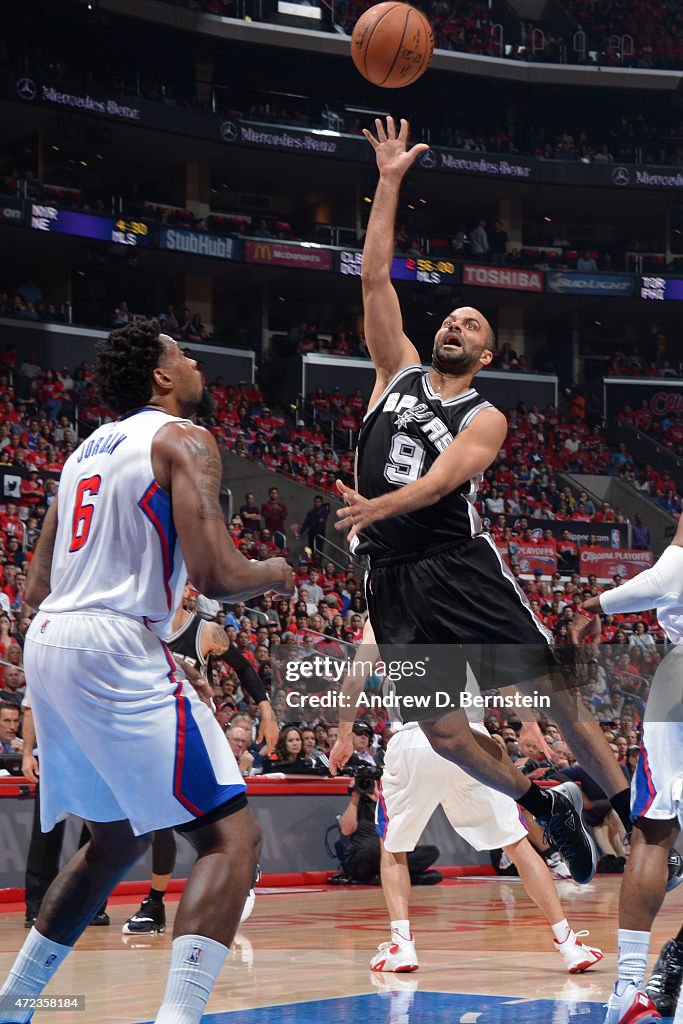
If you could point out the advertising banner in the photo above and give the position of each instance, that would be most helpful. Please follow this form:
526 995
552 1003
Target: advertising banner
618 562
483 276
531 557
11 210
199 243
283 254
323 142
607 535
664 396
576 282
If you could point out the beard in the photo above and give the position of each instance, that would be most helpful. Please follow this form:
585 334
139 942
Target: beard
453 364
204 409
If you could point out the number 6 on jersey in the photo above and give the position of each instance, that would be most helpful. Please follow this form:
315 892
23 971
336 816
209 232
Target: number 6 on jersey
84 511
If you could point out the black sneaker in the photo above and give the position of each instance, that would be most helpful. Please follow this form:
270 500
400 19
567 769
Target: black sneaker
150 919
101 918
675 865
30 920
665 984
565 830
432 877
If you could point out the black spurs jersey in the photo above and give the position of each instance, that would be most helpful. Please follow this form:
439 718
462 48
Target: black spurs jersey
401 436
186 643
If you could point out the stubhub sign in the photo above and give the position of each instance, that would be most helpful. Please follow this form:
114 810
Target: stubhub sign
198 243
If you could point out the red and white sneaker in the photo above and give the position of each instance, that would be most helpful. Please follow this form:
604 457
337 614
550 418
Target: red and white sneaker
400 958
577 955
632 1006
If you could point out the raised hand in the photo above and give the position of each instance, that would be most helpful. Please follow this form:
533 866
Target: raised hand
391 150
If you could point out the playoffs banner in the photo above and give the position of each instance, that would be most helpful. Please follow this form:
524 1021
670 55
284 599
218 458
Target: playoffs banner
618 562
664 396
534 557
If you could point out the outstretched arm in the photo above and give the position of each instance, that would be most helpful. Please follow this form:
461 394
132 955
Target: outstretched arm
469 454
648 589
250 681
389 347
187 465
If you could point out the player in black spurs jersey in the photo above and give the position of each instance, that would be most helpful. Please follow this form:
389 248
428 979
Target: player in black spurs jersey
435 577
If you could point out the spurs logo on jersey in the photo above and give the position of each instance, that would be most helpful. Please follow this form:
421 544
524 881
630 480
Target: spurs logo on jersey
398 448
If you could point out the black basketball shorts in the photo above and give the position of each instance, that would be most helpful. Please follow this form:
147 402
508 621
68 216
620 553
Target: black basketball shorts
447 607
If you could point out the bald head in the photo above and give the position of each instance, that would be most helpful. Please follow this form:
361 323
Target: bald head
464 344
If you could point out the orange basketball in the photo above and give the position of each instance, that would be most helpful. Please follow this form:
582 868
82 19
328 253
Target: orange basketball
392 44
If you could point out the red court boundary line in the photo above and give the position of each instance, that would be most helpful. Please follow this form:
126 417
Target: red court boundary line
287 879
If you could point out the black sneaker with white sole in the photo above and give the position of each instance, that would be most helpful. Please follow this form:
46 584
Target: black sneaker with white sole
150 919
664 986
564 829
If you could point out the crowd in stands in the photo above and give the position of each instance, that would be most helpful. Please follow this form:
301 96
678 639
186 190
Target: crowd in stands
467 26
326 615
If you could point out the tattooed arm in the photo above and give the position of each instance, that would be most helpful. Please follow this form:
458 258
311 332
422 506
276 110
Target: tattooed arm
38 577
187 466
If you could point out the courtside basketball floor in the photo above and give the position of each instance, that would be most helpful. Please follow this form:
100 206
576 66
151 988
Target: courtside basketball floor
486 957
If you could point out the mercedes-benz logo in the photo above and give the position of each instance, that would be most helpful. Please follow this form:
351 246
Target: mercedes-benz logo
621 176
229 131
428 159
26 88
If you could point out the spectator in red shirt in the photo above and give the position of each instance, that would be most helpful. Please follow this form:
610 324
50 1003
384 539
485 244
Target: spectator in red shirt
274 512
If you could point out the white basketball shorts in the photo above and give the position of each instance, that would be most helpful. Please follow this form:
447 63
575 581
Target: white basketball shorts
657 784
119 734
416 780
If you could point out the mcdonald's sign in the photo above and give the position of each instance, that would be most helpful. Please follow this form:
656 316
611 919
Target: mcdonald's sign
284 254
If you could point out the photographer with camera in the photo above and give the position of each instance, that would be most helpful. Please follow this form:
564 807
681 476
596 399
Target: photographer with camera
357 823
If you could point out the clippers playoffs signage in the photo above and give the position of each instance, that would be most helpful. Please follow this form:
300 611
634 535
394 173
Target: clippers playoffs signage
607 564
281 254
664 397
532 557
482 276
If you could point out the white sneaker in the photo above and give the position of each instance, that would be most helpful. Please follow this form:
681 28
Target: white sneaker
392 956
633 1006
576 955
557 866
248 906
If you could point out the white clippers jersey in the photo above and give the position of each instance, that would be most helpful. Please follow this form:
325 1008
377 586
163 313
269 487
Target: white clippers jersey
116 548
670 618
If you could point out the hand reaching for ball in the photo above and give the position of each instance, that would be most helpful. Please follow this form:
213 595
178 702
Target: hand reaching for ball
391 150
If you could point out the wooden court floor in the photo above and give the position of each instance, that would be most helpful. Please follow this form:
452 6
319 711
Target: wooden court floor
476 938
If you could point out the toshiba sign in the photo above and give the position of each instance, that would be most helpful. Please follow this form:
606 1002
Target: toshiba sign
502 277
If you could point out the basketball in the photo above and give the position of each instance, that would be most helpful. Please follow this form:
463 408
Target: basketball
392 45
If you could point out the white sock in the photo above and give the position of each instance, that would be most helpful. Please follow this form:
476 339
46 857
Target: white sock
561 931
632 964
35 965
400 931
195 963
